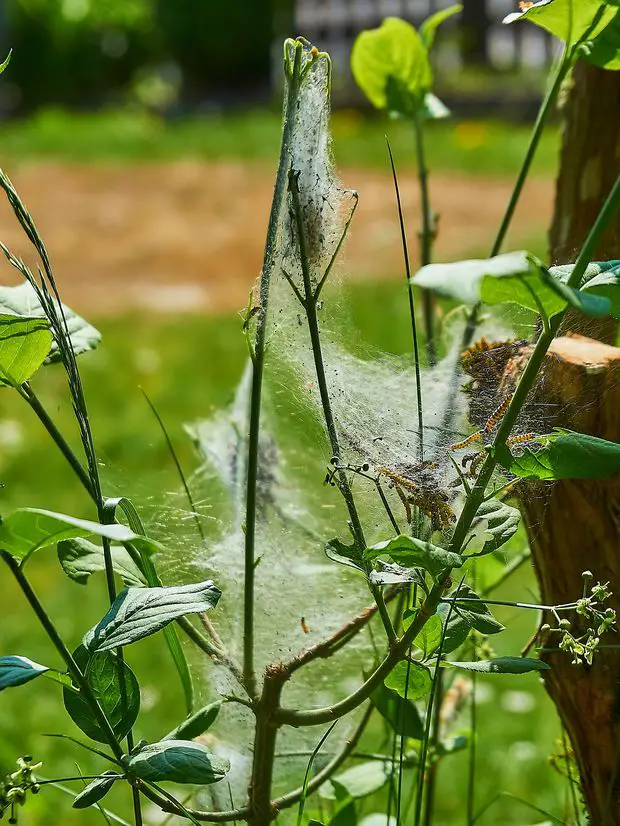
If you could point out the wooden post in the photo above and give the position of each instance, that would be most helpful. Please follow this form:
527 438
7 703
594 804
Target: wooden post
589 165
574 526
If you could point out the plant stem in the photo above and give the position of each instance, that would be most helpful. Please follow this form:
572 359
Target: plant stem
414 326
320 777
565 64
426 239
544 111
431 783
433 698
64 652
568 607
528 377
314 717
177 464
283 802
310 307
27 393
473 501
258 366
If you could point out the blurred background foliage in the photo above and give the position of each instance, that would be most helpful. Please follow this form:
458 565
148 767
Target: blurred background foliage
87 83
85 53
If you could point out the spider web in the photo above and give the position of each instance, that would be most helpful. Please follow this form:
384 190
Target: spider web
301 595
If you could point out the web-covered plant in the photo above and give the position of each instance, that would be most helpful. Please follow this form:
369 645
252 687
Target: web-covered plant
348 541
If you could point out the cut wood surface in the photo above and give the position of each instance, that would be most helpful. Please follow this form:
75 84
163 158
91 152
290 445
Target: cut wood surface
574 526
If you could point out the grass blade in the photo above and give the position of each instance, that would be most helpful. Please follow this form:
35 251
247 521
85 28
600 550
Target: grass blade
304 794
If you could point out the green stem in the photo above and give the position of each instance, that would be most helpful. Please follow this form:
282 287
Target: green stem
177 464
565 64
433 698
429 608
414 326
532 369
27 393
64 652
258 365
319 716
458 600
431 786
310 306
426 239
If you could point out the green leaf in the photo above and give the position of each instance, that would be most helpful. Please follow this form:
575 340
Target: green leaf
391 67
153 580
502 522
475 613
461 279
605 49
429 638
597 306
360 781
569 20
564 454
432 108
197 724
137 613
429 27
22 300
412 552
457 629
410 680
28 529
501 665
179 761
349 555
514 277
388 573
6 62
80 558
345 813
96 790
24 345
563 272
115 687
401 714
377 819
15 670
601 279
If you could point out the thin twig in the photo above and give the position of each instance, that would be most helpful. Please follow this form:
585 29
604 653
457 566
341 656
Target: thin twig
414 328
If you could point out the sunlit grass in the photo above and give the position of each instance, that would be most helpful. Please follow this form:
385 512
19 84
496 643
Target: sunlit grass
188 366
132 136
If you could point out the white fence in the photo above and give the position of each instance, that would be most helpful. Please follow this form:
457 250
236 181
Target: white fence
334 24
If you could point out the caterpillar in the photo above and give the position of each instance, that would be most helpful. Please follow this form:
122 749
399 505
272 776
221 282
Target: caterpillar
466 442
497 414
396 477
518 440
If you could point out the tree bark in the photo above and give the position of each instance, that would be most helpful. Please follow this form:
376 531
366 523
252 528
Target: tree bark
589 165
574 526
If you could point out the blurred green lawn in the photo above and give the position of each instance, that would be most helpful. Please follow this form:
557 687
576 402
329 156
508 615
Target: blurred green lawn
189 366
473 147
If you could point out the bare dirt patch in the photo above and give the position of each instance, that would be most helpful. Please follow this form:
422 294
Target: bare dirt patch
189 235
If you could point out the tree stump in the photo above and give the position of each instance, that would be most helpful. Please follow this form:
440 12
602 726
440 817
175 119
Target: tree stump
574 526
